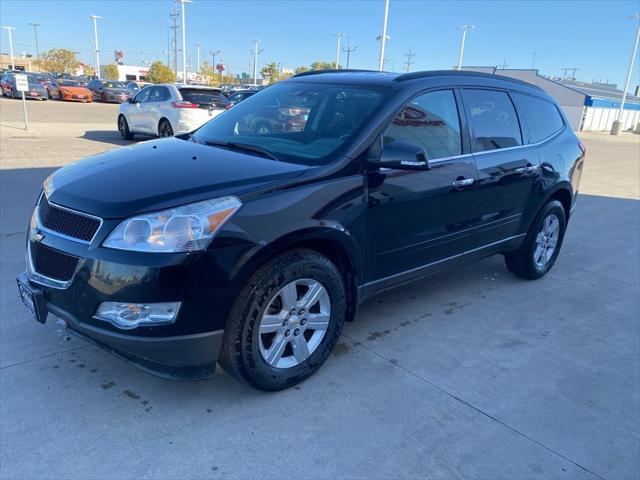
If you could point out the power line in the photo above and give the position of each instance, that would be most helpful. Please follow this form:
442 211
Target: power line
409 56
348 49
566 70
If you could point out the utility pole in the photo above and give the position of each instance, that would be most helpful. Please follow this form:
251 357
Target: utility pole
409 56
256 51
174 27
338 40
573 71
198 45
533 61
616 129
9 29
184 41
465 28
213 54
35 32
95 34
348 49
383 37
504 64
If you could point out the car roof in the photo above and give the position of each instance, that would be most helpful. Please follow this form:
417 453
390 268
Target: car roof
399 80
186 85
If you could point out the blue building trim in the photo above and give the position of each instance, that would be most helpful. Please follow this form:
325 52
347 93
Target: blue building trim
605 103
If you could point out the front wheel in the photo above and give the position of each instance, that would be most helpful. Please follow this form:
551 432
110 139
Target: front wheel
164 129
539 252
285 321
123 128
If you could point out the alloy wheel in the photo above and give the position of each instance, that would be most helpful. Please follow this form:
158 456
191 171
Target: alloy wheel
294 323
546 240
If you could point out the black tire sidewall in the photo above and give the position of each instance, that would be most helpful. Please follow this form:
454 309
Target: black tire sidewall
165 123
556 208
312 266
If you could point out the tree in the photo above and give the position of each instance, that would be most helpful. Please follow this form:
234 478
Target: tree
111 72
318 65
270 72
301 69
160 73
59 60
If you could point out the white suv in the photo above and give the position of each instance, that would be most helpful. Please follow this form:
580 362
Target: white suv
166 109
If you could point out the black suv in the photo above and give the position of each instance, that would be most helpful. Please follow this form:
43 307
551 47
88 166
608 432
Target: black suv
251 249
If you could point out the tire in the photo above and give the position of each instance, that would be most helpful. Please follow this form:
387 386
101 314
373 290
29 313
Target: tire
123 128
60 96
164 128
247 352
541 247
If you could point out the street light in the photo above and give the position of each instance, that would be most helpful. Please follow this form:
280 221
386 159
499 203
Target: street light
616 128
184 41
35 32
383 38
95 34
465 28
338 39
9 29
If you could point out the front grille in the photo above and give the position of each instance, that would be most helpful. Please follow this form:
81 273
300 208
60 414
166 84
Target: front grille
53 264
66 222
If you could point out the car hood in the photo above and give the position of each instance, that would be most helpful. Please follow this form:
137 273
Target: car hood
160 174
67 88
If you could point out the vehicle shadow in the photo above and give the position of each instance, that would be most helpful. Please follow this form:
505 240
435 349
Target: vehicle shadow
112 137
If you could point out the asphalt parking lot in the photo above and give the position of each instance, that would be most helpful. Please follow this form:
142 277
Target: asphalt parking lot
470 373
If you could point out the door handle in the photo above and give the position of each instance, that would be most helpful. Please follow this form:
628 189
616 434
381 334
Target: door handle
463 182
528 170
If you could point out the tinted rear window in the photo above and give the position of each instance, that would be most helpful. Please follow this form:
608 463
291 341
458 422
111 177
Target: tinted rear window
493 119
202 96
542 117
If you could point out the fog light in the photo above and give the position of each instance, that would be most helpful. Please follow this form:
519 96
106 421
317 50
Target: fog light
132 315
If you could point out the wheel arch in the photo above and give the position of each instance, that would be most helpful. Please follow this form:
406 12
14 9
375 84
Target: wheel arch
337 246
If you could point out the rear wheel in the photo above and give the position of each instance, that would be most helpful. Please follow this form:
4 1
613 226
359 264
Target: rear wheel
285 321
164 129
539 252
123 128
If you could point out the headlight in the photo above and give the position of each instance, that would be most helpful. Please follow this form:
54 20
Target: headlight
182 229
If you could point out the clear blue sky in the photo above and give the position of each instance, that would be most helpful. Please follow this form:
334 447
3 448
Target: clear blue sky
595 36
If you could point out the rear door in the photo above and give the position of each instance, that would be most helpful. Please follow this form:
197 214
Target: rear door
155 108
507 167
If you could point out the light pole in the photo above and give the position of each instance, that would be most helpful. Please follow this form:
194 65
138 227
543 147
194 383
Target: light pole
465 28
184 41
533 61
616 128
255 53
95 34
198 45
338 39
383 37
9 29
35 32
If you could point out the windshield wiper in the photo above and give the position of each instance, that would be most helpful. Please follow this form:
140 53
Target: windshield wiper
243 146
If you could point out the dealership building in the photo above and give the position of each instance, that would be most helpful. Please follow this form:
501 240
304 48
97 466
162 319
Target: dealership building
588 106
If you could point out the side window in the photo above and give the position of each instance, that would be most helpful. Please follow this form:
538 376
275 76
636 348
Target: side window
165 94
143 96
542 117
493 120
431 121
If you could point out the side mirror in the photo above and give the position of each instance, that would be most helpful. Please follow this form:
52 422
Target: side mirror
404 156
130 100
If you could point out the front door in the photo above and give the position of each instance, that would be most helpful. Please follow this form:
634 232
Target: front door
418 218
136 111
507 169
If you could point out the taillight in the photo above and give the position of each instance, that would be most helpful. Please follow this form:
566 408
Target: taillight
184 104
228 106
583 147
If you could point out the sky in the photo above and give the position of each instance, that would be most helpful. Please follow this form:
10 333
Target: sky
593 35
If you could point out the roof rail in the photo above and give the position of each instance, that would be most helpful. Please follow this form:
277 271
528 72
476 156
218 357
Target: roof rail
318 72
461 73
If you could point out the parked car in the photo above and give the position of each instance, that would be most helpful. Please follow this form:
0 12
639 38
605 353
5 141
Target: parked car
73 91
252 250
109 91
37 91
167 109
237 97
134 87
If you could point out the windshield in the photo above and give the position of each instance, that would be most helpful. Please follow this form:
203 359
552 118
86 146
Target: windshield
69 83
298 122
35 79
112 84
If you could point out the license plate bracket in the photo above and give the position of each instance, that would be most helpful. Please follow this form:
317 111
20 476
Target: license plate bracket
33 298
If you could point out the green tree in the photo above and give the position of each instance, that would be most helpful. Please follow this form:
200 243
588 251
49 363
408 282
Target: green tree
270 72
59 60
301 69
111 72
160 73
318 65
